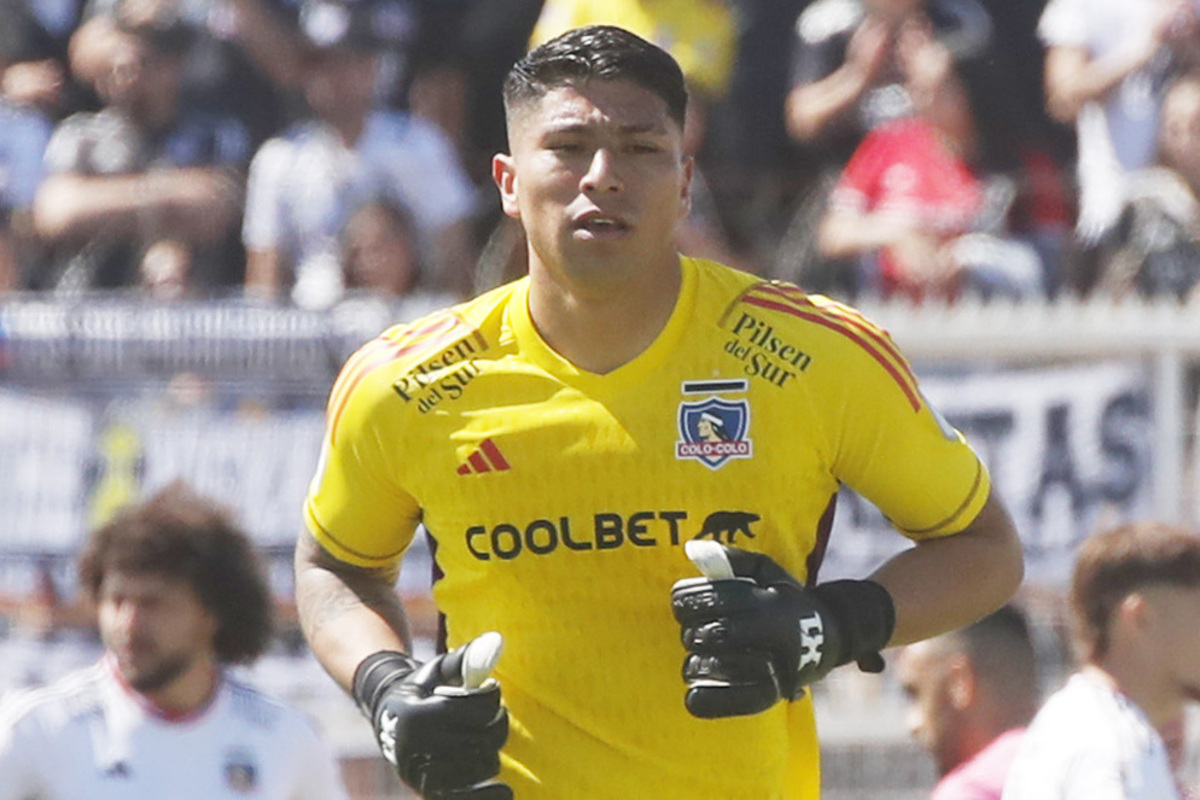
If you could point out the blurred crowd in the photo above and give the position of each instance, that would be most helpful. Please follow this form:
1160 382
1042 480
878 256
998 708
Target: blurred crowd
310 151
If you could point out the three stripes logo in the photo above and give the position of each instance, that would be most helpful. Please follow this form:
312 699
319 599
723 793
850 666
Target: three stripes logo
486 458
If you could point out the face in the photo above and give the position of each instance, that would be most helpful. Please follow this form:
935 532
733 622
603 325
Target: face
339 82
154 626
380 254
1175 637
895 10
599 180
143 80
927 676
1181 130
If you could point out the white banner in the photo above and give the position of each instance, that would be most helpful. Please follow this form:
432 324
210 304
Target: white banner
66 466
43 445
1068 449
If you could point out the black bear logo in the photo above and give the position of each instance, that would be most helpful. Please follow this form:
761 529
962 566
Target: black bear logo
724 526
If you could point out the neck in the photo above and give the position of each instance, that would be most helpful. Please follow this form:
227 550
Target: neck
349 128
1137 681
599 328
188 693
975 739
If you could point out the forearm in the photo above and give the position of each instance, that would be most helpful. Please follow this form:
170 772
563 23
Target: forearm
946 583
263 273
810 109
1073 78
73 207
194 205
346 613
845 234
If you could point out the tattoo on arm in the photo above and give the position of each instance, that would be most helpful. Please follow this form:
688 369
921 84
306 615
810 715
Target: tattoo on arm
328 589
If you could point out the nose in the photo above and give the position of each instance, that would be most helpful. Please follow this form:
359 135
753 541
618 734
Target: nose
126 615
601 175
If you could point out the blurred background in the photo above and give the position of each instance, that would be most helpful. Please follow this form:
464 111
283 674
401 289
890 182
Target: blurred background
207 205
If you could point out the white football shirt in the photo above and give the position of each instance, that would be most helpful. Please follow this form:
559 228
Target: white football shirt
305 184
90 737
1089 742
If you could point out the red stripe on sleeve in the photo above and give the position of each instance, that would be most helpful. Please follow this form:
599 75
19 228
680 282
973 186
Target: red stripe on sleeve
897 373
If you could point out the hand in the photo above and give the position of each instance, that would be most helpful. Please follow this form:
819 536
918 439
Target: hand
440 724
34 83
869 48
925 62
926 260
754 634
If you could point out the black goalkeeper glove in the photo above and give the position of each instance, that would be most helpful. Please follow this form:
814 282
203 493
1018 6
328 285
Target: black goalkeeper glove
761 636
444 739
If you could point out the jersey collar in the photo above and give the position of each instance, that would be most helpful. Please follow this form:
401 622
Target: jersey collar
535 349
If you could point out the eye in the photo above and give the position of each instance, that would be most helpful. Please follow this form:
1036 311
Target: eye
643 148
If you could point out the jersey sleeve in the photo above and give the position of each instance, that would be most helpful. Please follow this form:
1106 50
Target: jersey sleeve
1064 23
890 445
356 508
19 751
428 177
262 221
64 150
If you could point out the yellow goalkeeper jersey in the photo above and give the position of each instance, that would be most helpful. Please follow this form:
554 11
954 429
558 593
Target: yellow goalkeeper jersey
558 502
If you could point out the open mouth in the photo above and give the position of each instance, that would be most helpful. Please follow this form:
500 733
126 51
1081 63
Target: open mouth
601 225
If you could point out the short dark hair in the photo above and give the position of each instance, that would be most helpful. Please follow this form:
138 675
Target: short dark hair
1002 653
179 534
1113 564
601 52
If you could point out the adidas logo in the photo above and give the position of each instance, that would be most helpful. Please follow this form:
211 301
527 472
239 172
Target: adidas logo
487 458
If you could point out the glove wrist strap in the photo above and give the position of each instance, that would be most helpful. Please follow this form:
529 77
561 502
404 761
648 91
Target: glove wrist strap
376 673
867 615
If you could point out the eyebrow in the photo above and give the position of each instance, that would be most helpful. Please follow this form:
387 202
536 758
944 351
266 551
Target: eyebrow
625 130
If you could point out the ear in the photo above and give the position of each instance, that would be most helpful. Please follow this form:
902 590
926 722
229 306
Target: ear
685 200
961 682
504 174
1134 611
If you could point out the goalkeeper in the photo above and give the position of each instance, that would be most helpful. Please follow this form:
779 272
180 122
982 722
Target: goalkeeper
551 438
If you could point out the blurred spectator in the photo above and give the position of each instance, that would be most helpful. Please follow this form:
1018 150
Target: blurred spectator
243 59
1134 601
147 190
23 137
1156 244
379 251
856 59
304 184
1105 69
924 206
179 597
34 41
971 693
701 35
382 270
